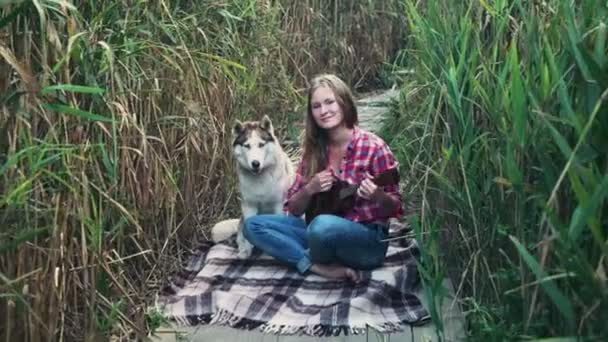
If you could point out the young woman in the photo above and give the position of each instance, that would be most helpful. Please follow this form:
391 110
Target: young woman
334 148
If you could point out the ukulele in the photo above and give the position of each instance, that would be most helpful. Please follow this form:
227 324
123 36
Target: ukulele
340 198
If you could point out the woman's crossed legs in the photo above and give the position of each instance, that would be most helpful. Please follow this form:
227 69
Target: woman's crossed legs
330 246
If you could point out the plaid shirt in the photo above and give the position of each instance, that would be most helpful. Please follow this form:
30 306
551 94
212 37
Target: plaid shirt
366 152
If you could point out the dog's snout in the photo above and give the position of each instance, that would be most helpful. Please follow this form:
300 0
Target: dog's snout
255 164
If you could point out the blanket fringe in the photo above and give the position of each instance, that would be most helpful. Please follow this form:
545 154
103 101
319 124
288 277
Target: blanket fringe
323 330
226 318
223 317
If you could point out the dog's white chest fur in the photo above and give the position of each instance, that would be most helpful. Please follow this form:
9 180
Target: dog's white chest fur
264 193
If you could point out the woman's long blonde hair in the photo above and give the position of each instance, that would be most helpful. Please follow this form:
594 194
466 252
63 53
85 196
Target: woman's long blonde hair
315 139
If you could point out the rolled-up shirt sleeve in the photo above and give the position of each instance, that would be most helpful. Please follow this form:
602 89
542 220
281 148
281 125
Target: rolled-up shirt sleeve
383 159
298 183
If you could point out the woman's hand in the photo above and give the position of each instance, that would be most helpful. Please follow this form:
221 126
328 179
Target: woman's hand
368 190
321 182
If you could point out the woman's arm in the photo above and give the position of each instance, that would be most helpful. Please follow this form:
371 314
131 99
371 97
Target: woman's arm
321 182
299 201
387 203
302 190
388 197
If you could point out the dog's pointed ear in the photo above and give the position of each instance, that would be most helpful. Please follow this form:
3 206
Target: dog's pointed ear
237 128
266 124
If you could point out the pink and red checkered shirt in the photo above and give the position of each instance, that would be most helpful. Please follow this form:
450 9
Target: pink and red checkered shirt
366 152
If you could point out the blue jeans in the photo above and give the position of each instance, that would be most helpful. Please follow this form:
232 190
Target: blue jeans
328 239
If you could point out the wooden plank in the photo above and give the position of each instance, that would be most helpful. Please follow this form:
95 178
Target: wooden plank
212 333
377 99
370 118
372 109
452 317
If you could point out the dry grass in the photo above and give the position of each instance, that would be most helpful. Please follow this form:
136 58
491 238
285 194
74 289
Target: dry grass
105 186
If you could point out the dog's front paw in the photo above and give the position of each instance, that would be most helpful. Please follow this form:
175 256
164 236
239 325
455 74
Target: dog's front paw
244 253
245 247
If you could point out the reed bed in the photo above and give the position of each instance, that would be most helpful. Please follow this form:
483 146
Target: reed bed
114 144
501 130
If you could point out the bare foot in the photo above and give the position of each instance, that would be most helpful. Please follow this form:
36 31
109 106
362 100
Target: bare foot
336 272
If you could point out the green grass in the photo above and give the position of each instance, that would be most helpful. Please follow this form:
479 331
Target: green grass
501 126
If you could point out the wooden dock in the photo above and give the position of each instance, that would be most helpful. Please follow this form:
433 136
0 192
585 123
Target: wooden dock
371 110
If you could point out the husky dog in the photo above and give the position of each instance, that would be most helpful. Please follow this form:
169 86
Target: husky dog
265 174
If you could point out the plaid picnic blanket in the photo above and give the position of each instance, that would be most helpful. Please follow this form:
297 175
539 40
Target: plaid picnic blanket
261 293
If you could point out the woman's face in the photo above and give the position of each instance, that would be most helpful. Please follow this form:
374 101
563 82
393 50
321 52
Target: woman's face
326 111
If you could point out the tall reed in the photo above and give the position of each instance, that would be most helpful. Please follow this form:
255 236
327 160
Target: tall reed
502 124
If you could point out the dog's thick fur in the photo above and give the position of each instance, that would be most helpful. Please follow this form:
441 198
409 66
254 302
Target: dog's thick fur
265 173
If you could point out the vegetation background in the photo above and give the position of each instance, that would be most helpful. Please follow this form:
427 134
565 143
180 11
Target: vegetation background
114 147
